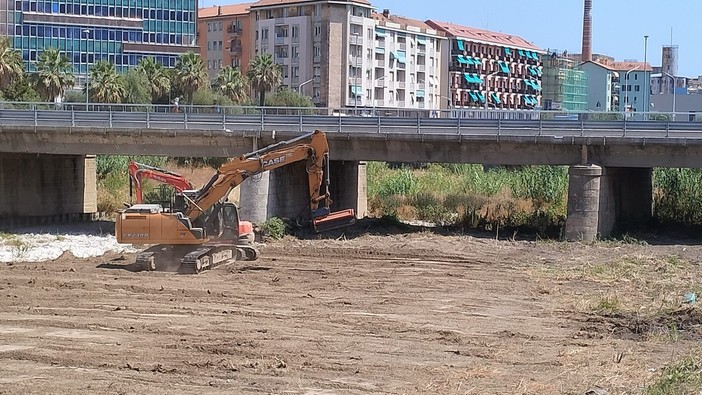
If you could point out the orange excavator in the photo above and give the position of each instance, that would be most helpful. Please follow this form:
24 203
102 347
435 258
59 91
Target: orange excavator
139 171
182 186
202 230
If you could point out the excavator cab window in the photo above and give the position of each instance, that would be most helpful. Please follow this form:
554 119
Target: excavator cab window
230 214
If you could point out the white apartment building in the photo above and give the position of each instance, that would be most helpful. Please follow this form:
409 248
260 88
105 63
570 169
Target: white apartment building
406 71
322 46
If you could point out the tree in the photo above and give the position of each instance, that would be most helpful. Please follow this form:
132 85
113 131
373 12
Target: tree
137 89
264 75
190 74
231 83
288 98
11 64
106 85
158 77
21 90
54 74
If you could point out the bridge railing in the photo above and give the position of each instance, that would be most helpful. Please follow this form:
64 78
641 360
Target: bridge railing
252 119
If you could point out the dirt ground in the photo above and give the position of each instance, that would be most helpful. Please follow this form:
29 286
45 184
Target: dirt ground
414 313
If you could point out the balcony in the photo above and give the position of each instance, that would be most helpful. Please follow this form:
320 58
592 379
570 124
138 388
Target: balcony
356 61
421 49
357 19
280 59
317 59
421 68
264 42
380 63
400 103
400 85
356 40
380 83
296 39
233 30
380 43
380 103
402 46
281 40
279 21
317 80
296 60
421 104
412 86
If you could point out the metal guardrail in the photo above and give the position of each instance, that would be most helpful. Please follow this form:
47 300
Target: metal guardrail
251 119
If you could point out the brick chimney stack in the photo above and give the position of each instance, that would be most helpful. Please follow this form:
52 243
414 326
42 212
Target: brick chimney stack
586 53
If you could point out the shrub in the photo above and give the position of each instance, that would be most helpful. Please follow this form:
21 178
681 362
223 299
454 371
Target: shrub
274 228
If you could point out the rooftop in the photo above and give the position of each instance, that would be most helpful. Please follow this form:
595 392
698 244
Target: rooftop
400 20
234 9
622 66
273 3
480 35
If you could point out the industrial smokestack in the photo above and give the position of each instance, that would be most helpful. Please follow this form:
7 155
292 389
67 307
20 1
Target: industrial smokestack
586 53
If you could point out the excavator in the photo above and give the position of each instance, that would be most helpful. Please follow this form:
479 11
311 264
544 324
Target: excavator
202 230
139 171
182 186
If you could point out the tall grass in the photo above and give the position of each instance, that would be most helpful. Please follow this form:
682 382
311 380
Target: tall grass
113 179
678 196
470 197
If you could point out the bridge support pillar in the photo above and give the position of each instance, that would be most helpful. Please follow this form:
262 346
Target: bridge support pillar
284 192
44 189
602 200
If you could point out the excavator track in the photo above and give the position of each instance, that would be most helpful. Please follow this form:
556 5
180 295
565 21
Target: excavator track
146 261
209 257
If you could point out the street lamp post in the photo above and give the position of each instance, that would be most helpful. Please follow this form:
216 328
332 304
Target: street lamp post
87 74
647 87
450 104
299 88
674 80
626 87
487 89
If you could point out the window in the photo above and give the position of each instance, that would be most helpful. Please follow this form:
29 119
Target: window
637 88
296 31
295 52
264 34
209 27
209 46
317 51
317 30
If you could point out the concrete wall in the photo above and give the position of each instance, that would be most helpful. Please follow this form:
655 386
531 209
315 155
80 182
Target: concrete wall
46 185
599 87
683 104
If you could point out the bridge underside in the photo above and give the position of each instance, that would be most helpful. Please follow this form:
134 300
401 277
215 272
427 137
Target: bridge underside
43 189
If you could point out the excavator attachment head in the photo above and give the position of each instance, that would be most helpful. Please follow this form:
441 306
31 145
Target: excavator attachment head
335 220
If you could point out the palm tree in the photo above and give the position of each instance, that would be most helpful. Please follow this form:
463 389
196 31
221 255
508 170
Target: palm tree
106 85
190 74
159 80
264 75
11 64
231 83
54 74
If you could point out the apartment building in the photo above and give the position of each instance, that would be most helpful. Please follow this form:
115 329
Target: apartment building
88 31
406 70
224 37
491 70
618 86
322 46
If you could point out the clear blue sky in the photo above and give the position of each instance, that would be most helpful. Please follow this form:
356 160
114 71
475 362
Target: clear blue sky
618 31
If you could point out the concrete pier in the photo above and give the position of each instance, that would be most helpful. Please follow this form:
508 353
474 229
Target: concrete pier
584 189
38 189
285 192
604 200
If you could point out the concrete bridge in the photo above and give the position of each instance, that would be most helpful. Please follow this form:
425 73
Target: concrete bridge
611 161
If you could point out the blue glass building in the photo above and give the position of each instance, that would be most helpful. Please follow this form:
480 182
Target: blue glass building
120 31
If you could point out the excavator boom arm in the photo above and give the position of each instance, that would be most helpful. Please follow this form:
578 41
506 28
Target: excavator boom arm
235 171
139 171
